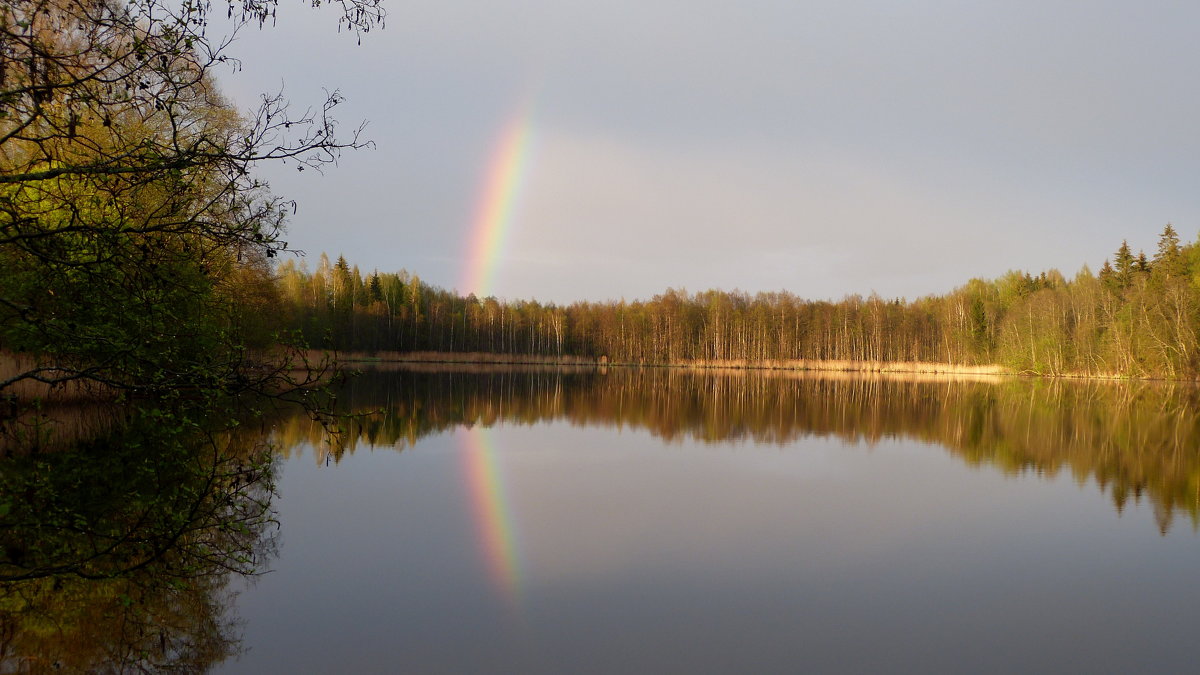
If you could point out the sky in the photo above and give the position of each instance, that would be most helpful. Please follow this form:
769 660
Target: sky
822 148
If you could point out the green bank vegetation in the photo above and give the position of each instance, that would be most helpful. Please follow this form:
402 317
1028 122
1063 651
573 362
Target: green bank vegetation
1138 317
135 240
135 264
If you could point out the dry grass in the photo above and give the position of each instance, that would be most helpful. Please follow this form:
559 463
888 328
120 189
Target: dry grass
55 426
796 365
38 417
855 374
923 367
476 367
451 357
14 364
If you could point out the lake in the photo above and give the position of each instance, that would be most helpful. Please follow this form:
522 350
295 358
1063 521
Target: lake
661 520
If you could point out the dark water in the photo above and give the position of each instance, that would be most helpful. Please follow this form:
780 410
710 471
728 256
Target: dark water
658 521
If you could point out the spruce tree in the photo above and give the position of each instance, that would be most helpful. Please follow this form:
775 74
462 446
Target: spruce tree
1169 260
1108 276
1124 264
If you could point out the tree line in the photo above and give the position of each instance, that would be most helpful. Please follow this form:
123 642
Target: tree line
1138 316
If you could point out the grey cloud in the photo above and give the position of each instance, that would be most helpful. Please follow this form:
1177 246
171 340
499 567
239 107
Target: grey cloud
917 143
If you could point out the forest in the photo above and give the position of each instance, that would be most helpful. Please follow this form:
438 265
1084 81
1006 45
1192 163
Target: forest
139 254
1137 317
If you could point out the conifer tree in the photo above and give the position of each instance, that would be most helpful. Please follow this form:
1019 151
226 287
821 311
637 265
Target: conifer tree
1108 276
374 288
1124 263
1169 260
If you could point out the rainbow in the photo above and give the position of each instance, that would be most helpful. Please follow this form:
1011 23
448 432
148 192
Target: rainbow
490 510
501 188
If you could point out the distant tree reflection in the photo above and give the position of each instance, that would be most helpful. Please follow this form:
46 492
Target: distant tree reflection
1136 440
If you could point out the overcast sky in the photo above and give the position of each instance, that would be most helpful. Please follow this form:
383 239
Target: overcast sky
823 148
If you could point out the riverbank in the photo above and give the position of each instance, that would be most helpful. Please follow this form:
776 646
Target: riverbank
802 365
726 364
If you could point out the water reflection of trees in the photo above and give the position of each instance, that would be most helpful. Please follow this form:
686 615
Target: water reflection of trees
1136 440
115 555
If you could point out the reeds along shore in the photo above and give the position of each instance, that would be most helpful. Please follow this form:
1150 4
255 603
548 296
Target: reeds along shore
735 364
14 365
446 359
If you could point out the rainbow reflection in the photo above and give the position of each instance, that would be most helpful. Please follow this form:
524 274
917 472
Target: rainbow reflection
491 513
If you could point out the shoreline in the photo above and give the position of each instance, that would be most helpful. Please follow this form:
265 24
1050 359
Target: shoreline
789 365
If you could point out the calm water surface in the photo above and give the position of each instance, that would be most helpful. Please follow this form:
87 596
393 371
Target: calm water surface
619 521
650 521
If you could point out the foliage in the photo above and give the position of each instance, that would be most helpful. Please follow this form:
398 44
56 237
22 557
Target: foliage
134 237
1139 318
